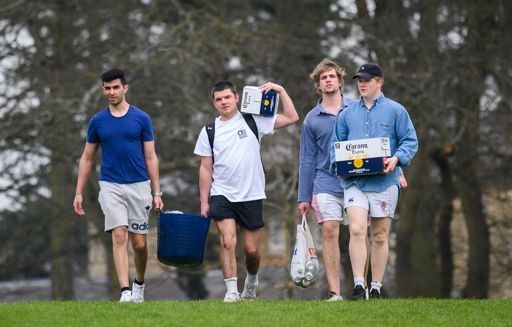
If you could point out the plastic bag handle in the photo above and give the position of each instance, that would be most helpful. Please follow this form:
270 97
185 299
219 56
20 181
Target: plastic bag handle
304 221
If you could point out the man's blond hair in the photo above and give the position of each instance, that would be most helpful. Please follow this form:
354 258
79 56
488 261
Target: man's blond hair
325 65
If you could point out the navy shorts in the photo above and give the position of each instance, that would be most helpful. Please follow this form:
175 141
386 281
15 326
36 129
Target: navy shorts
248 214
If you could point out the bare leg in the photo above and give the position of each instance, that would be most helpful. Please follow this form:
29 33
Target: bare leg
331 254
227 232
140 259
120 252
357 217
368 256
250 245
380 247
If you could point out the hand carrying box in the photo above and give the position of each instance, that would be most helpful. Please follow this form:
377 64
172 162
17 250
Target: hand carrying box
258 103
361 157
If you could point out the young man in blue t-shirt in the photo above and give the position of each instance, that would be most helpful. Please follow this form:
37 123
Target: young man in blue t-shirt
129 172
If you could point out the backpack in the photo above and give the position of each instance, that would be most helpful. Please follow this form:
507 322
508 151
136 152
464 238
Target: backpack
249 119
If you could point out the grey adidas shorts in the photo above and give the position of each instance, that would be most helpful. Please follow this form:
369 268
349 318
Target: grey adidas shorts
126 205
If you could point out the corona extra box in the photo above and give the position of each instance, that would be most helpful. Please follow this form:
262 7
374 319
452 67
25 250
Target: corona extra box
361 157
258 103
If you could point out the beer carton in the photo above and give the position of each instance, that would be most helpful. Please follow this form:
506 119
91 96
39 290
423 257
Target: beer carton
258 103
361 157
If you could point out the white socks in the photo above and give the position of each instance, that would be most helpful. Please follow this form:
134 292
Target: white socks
251 279
376 286
232 284
359 281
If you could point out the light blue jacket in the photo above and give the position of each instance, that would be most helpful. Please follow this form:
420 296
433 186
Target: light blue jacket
386 118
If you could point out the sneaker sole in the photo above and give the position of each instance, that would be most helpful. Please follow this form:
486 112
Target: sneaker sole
248 298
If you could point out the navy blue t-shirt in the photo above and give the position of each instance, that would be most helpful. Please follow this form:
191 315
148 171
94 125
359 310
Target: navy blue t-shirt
122 144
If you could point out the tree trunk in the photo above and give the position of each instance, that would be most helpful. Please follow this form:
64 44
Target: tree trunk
440 156
61 234
480 21
477 284
67 231
417 272
469 190
347 280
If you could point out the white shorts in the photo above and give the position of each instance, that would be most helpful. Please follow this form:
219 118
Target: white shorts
328 207
126 205
379 204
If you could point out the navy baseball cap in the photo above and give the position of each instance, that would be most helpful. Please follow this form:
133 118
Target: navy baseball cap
368 71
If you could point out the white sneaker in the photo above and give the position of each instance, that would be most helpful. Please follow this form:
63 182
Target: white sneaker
232 297
126 296
333 297
138 293
366 293
250 290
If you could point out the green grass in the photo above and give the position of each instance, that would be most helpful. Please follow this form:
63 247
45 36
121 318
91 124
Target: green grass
392 312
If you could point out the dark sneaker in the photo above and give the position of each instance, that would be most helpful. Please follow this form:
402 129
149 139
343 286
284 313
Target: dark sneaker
374 294
358 293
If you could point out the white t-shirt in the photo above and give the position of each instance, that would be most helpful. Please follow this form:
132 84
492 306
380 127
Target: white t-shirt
237 169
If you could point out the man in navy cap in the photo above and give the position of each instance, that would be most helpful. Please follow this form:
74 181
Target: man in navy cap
373 116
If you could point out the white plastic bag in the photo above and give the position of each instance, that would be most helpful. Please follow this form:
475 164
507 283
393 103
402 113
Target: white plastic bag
298 263
312 264
304 266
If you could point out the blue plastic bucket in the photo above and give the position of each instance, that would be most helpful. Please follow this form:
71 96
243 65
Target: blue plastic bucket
182 239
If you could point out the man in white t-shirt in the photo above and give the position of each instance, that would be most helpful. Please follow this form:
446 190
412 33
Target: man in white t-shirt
232 181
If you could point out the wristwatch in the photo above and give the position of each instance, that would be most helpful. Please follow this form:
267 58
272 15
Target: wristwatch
157 194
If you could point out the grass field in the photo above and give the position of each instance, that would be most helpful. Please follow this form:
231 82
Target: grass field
391 312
